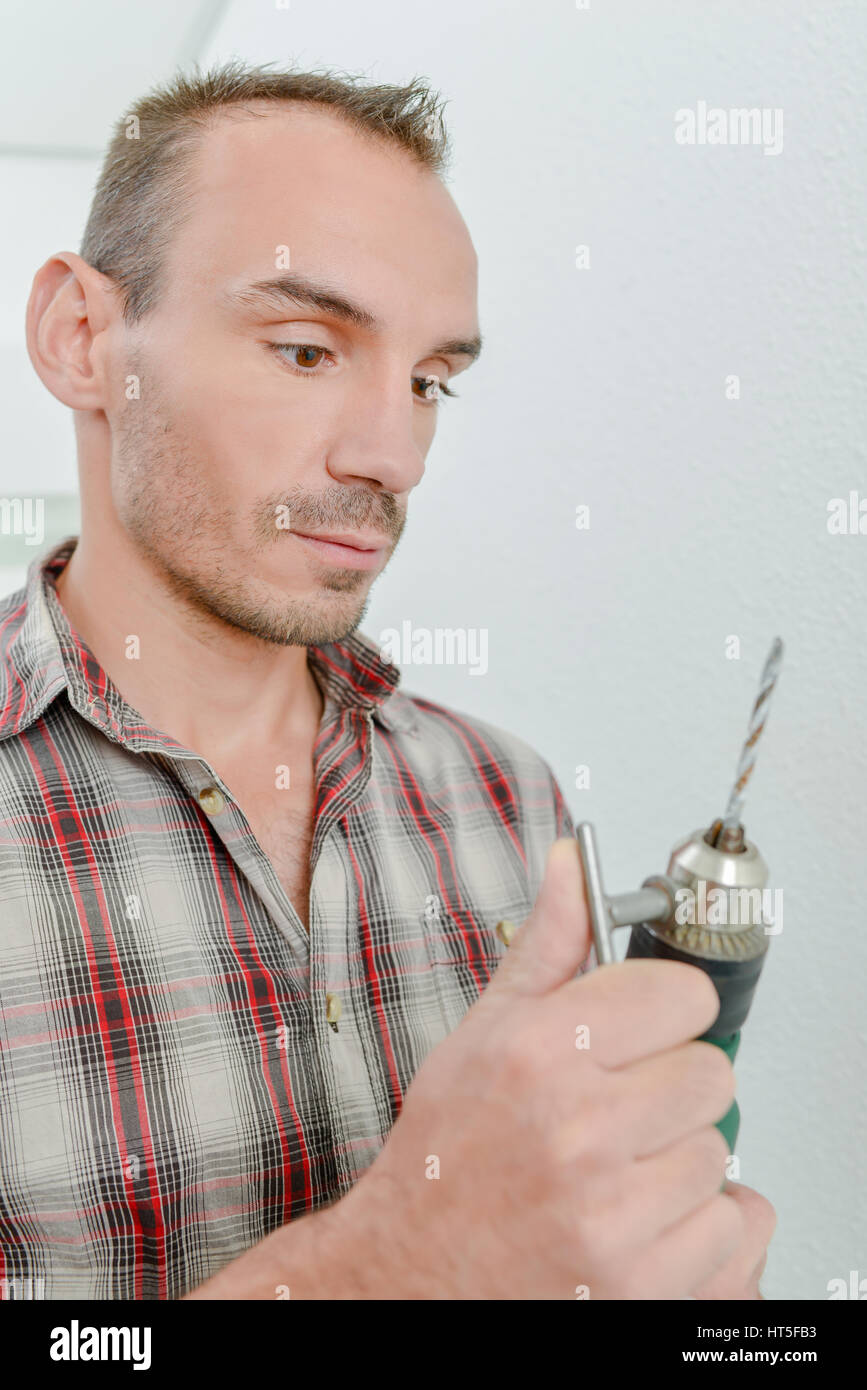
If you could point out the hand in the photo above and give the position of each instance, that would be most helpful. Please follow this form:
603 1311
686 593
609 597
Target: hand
739 1277
525 1166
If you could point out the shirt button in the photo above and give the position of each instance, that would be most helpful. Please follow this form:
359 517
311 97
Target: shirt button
506 930
333 1009
211 800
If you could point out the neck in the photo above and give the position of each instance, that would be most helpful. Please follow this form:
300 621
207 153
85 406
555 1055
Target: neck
213 688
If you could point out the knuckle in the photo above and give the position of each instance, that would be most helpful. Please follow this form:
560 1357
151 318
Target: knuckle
599 1207
730 1217
711 1151
701 991
599 1122
760 1215
769 1220
714 1073
705 989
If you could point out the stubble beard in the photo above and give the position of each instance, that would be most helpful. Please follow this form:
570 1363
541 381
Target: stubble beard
163 504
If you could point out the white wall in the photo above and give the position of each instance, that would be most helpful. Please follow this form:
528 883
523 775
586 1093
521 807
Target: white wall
708 516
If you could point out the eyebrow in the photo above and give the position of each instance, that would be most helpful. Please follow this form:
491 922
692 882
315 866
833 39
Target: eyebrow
301 290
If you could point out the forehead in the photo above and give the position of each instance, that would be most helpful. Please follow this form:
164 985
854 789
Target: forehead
348 205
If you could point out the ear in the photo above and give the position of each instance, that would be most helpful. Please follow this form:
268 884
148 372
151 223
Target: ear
69 312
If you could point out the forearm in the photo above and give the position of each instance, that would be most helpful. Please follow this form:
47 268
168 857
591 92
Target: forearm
315 1257
359 1248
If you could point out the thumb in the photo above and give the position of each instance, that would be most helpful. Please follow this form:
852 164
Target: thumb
553 944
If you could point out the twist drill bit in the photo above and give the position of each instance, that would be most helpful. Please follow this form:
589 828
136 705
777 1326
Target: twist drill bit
732 829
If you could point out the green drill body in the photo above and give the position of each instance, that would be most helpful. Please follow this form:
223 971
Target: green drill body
729 1125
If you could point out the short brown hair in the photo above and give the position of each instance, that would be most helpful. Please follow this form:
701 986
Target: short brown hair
142 194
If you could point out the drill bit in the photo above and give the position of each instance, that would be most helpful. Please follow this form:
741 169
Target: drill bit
732 818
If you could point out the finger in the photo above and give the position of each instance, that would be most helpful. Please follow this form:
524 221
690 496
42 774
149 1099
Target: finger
738 1278
636 1202
691 1252
636 1009
653 1103
682 1090
554 941
760 1217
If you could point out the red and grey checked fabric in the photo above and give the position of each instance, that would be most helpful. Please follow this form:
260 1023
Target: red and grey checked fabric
171 1090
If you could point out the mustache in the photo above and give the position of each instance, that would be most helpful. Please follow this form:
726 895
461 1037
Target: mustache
335 509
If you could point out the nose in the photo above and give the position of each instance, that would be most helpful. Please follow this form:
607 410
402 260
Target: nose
378 438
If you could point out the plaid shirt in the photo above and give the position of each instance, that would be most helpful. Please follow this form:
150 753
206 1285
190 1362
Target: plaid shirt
172 1085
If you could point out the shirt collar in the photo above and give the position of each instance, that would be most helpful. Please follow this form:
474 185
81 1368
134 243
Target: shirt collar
41 655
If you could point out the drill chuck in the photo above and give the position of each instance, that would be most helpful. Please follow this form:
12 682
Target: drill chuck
717 922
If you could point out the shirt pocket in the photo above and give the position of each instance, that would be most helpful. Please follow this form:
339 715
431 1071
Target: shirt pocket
464 951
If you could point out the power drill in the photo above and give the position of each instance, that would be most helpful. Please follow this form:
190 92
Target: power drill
708 910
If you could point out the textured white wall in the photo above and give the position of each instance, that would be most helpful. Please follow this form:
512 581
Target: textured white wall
605 386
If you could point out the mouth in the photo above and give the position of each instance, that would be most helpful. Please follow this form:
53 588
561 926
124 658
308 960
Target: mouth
352 551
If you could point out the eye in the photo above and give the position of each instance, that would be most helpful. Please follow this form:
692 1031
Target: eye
430 388
303 357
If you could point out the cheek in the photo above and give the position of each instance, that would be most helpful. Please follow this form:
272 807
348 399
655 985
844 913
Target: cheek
424 428
257 428
252 444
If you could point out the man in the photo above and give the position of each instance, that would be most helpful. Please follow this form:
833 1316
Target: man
250 889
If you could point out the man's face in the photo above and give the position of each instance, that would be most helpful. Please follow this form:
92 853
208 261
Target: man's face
238 445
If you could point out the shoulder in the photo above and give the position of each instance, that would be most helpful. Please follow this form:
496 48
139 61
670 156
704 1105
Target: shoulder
474 737
463 749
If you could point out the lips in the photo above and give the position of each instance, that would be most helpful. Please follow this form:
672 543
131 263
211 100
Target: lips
355 540
351 550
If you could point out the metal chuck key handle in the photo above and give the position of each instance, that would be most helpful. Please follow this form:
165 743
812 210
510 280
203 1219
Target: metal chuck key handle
707 909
